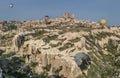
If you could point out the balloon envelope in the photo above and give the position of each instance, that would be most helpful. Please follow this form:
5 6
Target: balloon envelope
103 22
11 5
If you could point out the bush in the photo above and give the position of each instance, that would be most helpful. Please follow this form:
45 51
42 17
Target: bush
49 38
66 46
111 47
9 28
7 55
1 52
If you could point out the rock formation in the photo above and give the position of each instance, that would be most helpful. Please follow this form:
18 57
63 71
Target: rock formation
66 47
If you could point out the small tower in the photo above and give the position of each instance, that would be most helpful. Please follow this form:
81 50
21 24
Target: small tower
66 15
73 16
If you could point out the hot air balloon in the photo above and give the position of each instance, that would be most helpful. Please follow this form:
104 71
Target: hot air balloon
11 5
103 22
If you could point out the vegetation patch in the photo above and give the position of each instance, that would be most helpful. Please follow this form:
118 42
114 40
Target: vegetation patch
49 38
111 47
39 33
3 56
75 40
56 45
33 65
56 71
66 46
6 37
1 52
101 35
108 68
9 28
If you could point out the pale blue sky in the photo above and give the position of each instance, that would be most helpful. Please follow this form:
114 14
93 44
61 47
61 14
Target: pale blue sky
85 9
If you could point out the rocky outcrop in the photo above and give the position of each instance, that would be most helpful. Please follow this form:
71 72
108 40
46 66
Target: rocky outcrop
38 51
65 46
18 41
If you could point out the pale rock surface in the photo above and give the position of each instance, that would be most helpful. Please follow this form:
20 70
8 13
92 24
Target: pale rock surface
35 52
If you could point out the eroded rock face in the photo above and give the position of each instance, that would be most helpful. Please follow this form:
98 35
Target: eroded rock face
38 51
18 41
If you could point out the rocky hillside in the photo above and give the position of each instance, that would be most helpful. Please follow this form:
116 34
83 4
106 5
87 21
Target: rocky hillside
64 47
